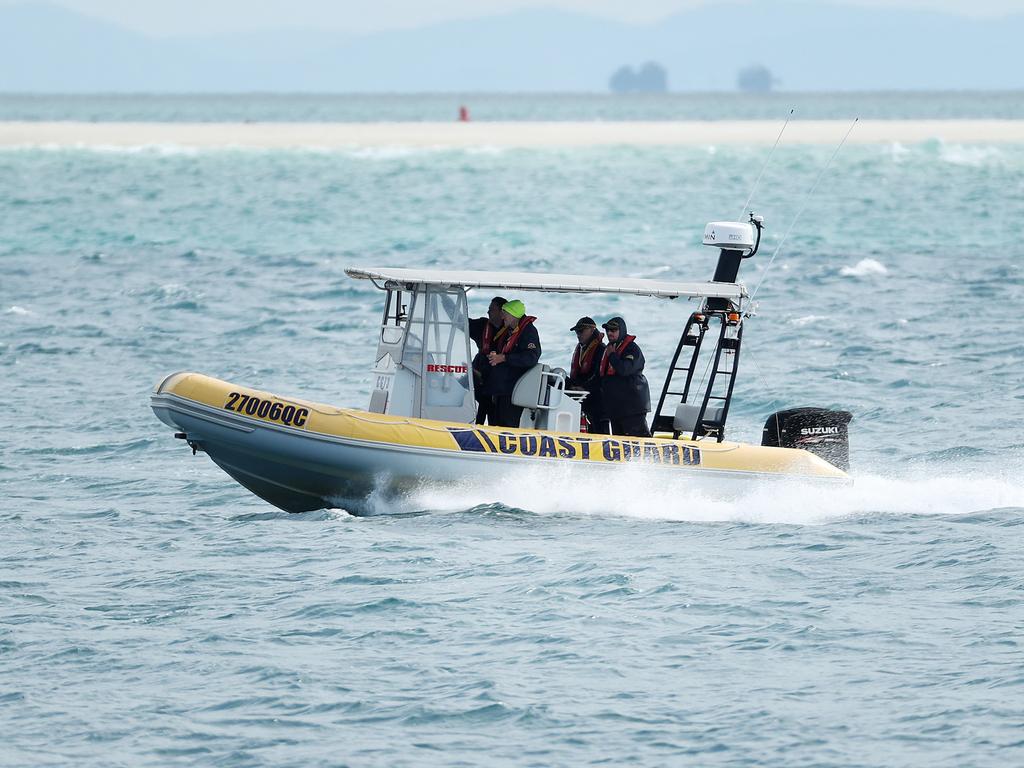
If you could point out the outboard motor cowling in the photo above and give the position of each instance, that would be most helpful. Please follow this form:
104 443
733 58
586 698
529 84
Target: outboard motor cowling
818 430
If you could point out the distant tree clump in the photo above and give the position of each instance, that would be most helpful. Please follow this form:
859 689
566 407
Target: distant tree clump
650 78
755 79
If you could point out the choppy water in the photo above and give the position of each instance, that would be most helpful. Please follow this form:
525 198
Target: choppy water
153 612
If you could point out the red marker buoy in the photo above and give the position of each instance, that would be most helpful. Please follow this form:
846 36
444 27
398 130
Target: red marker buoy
463 115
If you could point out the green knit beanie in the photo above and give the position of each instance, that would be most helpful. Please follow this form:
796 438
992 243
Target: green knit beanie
516 308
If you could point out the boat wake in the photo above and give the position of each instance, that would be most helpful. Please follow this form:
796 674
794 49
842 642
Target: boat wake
633 494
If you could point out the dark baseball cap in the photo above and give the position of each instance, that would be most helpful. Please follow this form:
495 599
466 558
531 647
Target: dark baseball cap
584 322
611 325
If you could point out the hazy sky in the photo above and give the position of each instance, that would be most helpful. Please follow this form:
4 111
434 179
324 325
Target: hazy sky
220 16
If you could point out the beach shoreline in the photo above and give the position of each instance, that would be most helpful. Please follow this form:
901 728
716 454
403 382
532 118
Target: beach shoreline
273 135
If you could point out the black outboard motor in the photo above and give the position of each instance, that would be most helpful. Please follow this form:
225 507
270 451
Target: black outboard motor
818 430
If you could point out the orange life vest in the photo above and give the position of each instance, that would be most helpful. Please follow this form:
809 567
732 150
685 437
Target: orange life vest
491 336
514 336
582 363
607 369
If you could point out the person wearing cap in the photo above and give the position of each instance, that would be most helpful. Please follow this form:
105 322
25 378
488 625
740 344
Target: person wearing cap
627 396
584 372
519 352
486 333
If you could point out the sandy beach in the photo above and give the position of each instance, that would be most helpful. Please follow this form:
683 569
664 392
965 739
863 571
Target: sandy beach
499 134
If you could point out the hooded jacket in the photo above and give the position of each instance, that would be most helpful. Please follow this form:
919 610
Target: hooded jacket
623 384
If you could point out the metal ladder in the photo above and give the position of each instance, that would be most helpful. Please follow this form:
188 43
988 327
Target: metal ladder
693 336
718 390
726 362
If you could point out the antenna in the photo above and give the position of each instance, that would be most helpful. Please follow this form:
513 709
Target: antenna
803 206
766 161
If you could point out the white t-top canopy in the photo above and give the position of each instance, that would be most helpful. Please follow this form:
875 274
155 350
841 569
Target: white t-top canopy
526 281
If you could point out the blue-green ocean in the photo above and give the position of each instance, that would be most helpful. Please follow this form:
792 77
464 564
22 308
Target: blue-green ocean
153 612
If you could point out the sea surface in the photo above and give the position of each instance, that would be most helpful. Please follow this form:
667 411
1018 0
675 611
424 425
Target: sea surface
153 612
319 108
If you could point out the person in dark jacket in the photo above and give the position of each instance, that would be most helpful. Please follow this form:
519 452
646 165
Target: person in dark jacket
584 373
486 333
520 351
627 397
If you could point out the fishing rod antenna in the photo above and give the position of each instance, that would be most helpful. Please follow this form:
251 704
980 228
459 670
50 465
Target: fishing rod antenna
803 206
764 165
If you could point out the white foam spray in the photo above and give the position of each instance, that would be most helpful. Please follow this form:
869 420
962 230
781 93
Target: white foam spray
637 492
864 268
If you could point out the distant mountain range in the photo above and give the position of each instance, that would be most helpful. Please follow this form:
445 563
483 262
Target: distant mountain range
45 48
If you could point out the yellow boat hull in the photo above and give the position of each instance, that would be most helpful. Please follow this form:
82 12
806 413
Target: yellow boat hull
300 455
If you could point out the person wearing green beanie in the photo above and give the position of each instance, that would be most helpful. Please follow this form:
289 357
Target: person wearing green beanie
518 354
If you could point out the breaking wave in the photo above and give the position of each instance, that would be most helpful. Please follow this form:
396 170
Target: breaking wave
864 268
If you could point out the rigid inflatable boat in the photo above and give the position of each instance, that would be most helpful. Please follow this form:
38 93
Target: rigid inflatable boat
419 426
